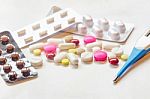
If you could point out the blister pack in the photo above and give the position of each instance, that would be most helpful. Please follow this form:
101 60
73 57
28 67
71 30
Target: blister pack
48 26
14 66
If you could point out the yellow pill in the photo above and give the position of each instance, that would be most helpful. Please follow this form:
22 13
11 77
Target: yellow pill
37 52
124 57
65 62
72 51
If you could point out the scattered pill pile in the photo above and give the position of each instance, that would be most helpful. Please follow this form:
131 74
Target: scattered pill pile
70 50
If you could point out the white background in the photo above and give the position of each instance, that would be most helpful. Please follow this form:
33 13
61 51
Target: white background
92 81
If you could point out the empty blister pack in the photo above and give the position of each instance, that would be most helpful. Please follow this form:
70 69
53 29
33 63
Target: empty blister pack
104 29
48 26
14 66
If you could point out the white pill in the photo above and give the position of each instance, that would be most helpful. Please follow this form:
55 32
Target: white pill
82 29
104 24
36 46
36 62
97 31
88 21
120 26
109 45
54 41
87 57
94 44
60 56
73 58
68 38
94 49
118 51
111 55
114 34
80 51
66 46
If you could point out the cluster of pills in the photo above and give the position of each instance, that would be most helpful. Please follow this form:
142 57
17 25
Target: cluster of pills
13 64
104 29
69 50
46 27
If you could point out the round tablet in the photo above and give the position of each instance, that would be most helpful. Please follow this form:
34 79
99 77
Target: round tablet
89 39
65 62
113 61
7 68
15 56
12 76
50 56
50 48
37 52
10 48
124 57
100 56
4 39
20 64
36 62
25 71
87 57
3 60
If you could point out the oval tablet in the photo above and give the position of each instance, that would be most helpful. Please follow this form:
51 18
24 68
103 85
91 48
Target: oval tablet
100 56
109 45
87 57
89 39
50 48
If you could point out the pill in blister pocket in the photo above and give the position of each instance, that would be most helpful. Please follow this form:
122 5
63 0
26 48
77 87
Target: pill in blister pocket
63 14
25 72
94 44
120 26
114 34
57 27
15 56
10 48
22 32
50 20
88 21
65 46
82 29
3 60
43 33
54 41
118 51
104 24
97 31
89 39
73 58
71 20
108 45
87 57
7 68
36 46
4 39
36 26
20 64
60 56
12 76
68 38
28 39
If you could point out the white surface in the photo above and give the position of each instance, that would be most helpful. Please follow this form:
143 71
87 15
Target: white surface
89 81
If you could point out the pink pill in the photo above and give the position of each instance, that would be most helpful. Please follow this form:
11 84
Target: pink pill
50 48
100 56
89 39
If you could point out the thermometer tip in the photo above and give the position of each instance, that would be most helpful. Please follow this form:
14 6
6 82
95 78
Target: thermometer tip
116 80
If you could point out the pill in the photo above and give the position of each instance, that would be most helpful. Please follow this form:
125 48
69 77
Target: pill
113 61
65 62
28 39
71 20
73 58
15 56
88 21
109 45
54 41
89 39
80 51
36 62
120 26
7 68
36 46
114 34
72 51
10 48
118 51
50 56
12 76
82 29
100 56
66 46
25 71
94 49
50 20
57 27
63 14
104 24
21 33
111 55
94 44
3 60
87 57
50 48
76 41
68 38
36 26
124 57
97 31
37 52
43 33
4 39
60 56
